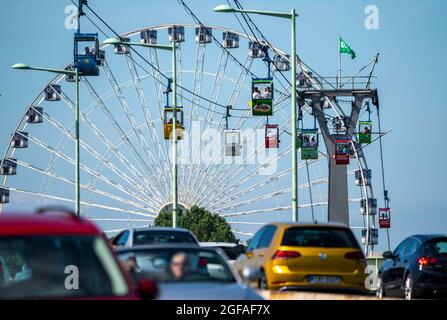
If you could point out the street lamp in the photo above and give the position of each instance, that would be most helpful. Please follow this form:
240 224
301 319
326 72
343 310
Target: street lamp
292 15
172 48
22 66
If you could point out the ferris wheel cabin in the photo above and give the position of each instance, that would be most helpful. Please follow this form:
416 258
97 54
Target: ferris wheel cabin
70 77
176 34
86 53
34 114
233 144
371 204
255 50
4 195
230 40
8 167
262 97
52 92
148 36
281 63
121 48
363 177
168 123
203 35
19 140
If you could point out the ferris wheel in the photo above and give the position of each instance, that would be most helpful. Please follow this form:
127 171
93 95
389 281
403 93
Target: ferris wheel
233 127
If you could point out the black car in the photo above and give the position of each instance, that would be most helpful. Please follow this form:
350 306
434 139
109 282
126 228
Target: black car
416 269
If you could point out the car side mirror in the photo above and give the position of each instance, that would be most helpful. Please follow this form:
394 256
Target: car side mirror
250 274
388 255
147 289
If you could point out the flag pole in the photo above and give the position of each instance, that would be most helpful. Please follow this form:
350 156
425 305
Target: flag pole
339 64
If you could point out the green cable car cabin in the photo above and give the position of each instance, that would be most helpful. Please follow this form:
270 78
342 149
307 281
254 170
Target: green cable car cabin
308 143
364 134
262 97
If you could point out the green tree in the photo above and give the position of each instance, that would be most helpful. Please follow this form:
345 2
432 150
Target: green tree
207 226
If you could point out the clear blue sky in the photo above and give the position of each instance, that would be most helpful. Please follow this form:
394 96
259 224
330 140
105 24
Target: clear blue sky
412 45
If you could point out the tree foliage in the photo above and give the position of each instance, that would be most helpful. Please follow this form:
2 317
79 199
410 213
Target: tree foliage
206 226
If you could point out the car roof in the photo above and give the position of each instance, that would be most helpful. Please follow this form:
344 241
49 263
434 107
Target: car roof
218 244
426 237
12 224
176 246
310 224
160 229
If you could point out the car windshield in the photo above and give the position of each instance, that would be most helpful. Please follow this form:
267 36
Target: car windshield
59 267
174 265
319 237
437 247
161 236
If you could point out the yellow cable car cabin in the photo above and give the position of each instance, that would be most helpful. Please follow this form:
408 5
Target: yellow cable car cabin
169 120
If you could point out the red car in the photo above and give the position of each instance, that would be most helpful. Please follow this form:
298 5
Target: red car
54 254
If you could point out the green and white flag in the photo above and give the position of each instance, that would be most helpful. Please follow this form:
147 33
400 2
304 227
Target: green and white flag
345 48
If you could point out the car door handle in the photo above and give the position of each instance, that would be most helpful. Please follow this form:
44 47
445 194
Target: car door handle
249 254
261 254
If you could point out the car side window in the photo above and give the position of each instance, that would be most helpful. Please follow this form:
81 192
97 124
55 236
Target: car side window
411 247
401 248
267 237
257 237
123 239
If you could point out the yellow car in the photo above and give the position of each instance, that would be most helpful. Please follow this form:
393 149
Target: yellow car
290 256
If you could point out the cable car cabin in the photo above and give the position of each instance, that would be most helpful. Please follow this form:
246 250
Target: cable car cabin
168 123
342 155
262 97
34 114
148 36
384 218
19 140
70 77
176 34
122 48
272 136
233 144
8 167
365 128
281 63
363 177
4 195
52 92
308 143
372 205
86 54
204 35
255 50
230 40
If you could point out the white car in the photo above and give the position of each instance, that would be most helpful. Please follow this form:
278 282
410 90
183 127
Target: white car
232 250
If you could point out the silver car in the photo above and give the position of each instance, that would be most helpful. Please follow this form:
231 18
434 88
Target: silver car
186 272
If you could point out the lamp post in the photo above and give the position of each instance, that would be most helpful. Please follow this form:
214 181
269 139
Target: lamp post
22 66
172 48
292 15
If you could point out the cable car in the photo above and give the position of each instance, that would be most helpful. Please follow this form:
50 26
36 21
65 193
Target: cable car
148 36
230 40
168 123
384 218
308 143
255 50
372 204
341 155
176 34
122 48
233 144
281 63
34 114
52 92
4 195
86 54
8 167
365 180
272 136
373 236
203 34
19 140
70 77
262 97
364 134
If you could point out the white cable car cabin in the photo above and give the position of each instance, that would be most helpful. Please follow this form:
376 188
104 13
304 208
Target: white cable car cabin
176 34
372 204
233 144
8 167
364 180
19 140
4 195
168 123
34 114
122 48
255 50
272 136
148 36
203 34
281 63
230 40
52 92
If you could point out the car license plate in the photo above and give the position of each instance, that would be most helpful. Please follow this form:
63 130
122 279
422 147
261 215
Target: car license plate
323 279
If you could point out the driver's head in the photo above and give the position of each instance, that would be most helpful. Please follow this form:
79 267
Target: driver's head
180 265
